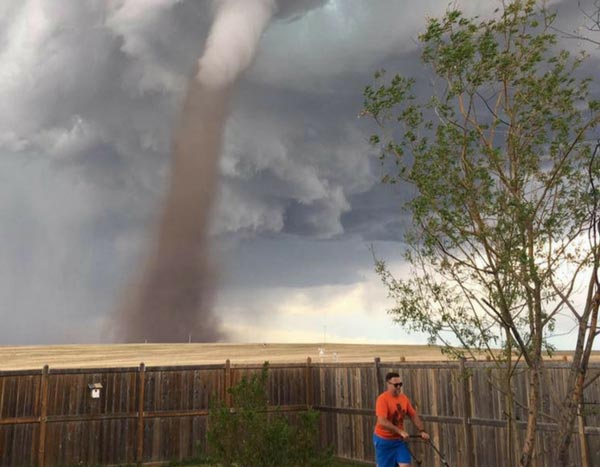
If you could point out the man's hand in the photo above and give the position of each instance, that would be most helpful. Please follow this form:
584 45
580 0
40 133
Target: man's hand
424 435
403 433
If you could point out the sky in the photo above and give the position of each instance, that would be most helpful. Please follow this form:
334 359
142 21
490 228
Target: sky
90 92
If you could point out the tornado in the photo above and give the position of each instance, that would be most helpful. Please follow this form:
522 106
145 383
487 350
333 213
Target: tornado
171 300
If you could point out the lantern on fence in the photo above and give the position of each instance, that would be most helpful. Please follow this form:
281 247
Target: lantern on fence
95 390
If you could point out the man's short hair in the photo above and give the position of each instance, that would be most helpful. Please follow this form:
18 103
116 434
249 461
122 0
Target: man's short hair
390 375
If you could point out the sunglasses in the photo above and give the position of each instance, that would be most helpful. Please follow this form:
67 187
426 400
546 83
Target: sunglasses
396 385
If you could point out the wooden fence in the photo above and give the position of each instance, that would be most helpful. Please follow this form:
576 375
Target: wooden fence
463 406
153 414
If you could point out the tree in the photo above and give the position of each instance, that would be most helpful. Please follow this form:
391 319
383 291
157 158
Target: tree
505 179
248 435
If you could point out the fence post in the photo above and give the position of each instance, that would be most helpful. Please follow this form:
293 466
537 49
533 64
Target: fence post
435 431
43 417
585 460
308 383
467 414
227 395
140 420
377 361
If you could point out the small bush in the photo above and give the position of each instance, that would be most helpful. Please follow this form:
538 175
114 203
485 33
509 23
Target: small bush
247 435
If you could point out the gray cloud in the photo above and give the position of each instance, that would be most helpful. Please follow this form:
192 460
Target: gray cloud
292 10
260 261
93 90
304 167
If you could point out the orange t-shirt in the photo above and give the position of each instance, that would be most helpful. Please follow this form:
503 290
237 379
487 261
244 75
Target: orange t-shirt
394 409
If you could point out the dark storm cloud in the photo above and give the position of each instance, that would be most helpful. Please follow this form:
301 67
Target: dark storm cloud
304 166
292 10
93 89
325 182
377 215
260 261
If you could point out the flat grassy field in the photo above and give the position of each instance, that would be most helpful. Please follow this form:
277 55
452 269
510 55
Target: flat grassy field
128 355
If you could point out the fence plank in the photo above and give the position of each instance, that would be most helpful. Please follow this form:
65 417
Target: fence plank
467 414
308 383
435 410
228 383
140 420
378 377
585 462
43 417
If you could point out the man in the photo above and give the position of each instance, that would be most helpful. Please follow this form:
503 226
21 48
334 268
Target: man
390 437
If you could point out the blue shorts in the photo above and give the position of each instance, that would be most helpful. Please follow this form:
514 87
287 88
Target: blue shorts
390 452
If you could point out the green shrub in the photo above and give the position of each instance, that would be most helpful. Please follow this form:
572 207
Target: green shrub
247 435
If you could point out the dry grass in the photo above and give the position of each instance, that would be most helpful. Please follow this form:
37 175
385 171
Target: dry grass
124 355
129 355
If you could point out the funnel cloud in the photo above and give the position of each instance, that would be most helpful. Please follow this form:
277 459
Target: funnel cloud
173 298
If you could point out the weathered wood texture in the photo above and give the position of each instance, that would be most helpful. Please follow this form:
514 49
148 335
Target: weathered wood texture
152 414
455 402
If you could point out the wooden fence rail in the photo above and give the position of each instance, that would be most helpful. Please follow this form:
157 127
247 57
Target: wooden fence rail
152 414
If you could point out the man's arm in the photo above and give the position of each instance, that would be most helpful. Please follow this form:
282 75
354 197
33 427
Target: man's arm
419 424
384 422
